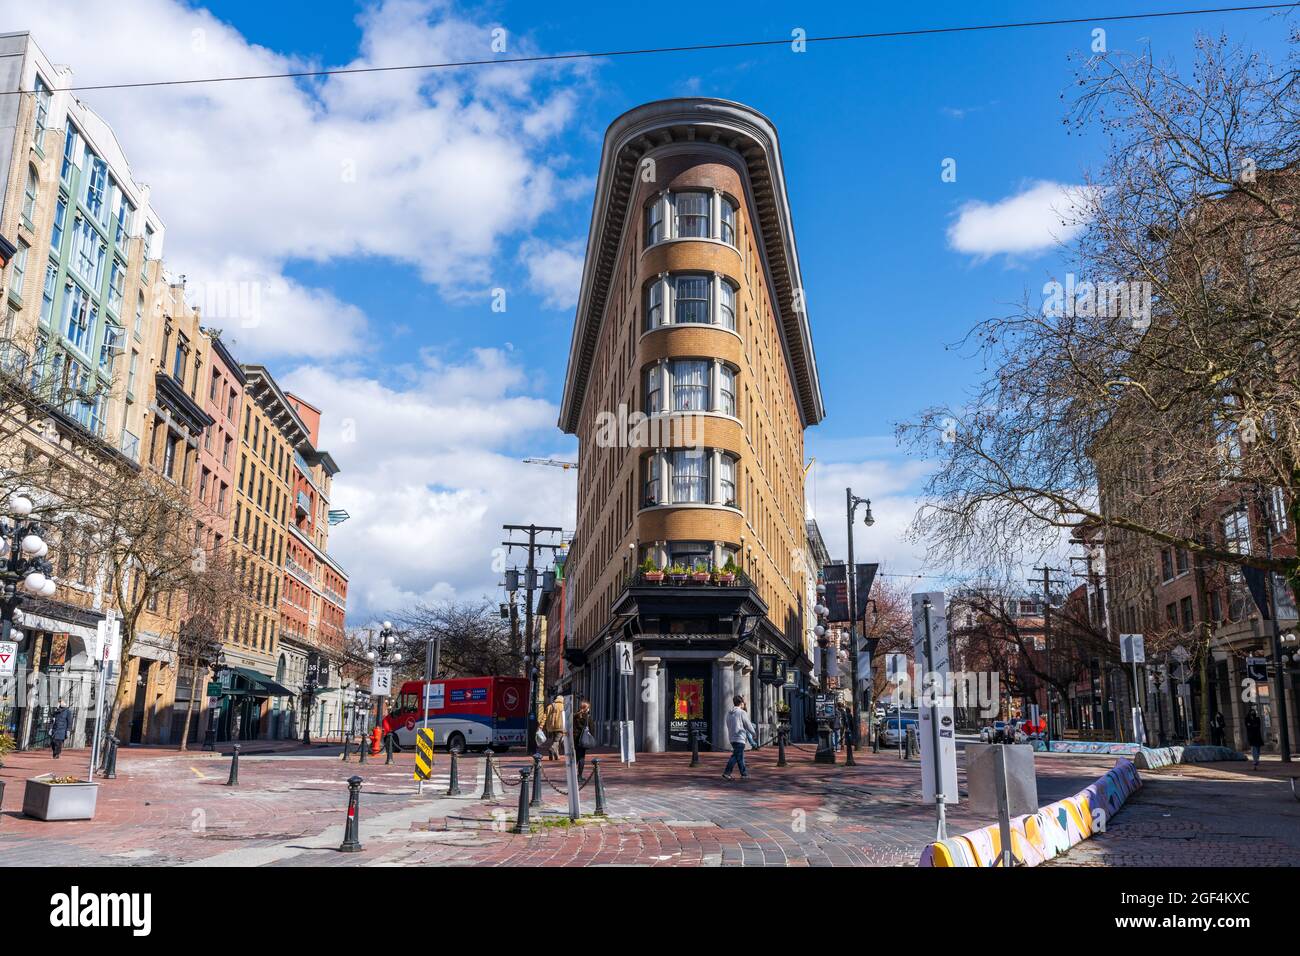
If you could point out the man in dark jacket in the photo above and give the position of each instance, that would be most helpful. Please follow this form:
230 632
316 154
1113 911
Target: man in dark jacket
1254 734
60 727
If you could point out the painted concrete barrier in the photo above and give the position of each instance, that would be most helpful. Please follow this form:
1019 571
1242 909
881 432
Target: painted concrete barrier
1051 831
1153 758
1088 747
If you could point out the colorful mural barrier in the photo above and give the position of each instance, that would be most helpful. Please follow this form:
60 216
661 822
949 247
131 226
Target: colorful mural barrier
1087 747
1153 758
1047 833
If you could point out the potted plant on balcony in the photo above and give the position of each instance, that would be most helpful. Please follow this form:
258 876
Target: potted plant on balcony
48 797
701 575
728 573
650 572
678 574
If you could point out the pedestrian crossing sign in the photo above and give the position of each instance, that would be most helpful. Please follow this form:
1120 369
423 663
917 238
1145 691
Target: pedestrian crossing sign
424 753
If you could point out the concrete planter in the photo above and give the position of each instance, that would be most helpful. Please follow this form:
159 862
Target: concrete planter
59 801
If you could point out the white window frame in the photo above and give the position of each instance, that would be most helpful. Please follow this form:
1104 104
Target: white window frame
664 206
665 285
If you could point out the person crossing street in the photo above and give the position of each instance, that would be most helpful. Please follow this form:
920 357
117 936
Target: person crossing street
740 733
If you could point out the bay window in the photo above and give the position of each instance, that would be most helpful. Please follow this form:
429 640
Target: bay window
691 214
690 298
689 476
691 555
80 315
690 385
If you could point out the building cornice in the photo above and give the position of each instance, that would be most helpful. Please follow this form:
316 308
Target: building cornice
262 388
753 139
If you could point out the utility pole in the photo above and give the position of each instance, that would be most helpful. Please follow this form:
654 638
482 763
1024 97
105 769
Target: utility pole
533 668
1047 582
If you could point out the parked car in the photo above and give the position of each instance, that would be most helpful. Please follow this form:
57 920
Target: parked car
894 726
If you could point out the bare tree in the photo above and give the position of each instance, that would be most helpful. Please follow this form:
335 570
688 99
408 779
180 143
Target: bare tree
216 593
1162 385
475 639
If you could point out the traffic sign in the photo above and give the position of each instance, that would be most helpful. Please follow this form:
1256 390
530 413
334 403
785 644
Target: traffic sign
8 657
626 666
381 681
424 753
1132 649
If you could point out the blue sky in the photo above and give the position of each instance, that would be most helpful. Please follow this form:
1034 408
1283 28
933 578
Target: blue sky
400 333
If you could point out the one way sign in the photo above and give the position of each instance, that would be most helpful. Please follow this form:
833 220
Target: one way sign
8 657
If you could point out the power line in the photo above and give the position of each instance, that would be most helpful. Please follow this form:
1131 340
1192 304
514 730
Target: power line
693 48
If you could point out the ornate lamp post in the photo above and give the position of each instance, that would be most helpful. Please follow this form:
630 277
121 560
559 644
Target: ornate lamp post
825 752
24 570
851 578
384 654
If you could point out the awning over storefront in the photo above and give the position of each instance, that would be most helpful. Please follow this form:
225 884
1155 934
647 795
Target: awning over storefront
250 683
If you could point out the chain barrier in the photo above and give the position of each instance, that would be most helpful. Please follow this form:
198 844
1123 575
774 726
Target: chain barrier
581 783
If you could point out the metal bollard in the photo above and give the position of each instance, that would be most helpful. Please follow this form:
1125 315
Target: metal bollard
489 787
234 768
537 780
347 747
848 747
780 748
600 788
695 745
352 829
388 748
521 820
875 739
110 760
361 749
453 785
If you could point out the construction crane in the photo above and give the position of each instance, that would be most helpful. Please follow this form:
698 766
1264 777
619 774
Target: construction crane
553 462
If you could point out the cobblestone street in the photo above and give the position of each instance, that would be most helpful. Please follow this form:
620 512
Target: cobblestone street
288 810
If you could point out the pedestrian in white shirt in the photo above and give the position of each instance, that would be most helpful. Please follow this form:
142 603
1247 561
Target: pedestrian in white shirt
740 732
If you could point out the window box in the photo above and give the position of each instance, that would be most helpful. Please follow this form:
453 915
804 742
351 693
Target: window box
701 577
46 800
654 577
725 577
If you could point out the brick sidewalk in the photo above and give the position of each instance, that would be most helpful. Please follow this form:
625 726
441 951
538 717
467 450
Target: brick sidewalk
172 808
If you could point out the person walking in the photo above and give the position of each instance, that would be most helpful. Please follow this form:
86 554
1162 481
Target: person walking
740 732
837 725
60 727
1217 726
1254 734
582 735
553 726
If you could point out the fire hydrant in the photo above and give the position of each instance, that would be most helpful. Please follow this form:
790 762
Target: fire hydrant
376 741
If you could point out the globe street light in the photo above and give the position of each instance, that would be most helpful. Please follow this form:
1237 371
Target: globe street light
25 572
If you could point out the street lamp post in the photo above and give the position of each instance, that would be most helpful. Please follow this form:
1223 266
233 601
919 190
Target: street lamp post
825 751
25 572
851 506
384 654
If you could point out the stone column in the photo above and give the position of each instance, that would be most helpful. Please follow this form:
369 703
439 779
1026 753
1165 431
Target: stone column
1235 732
723 688
650 705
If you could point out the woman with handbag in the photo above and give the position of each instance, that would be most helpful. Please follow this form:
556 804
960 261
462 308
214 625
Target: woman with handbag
582 735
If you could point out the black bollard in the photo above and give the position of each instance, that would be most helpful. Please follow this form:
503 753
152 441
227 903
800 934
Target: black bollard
388 748
521 821
600 787
695 746
780 747
362 748
848 747
347 747
352 829
537 780
110 760
234 768
875 738
489 786
453 785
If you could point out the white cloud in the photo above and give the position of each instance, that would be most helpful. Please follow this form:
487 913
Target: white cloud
430 169
891 485
1043 215
554 271
430 468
